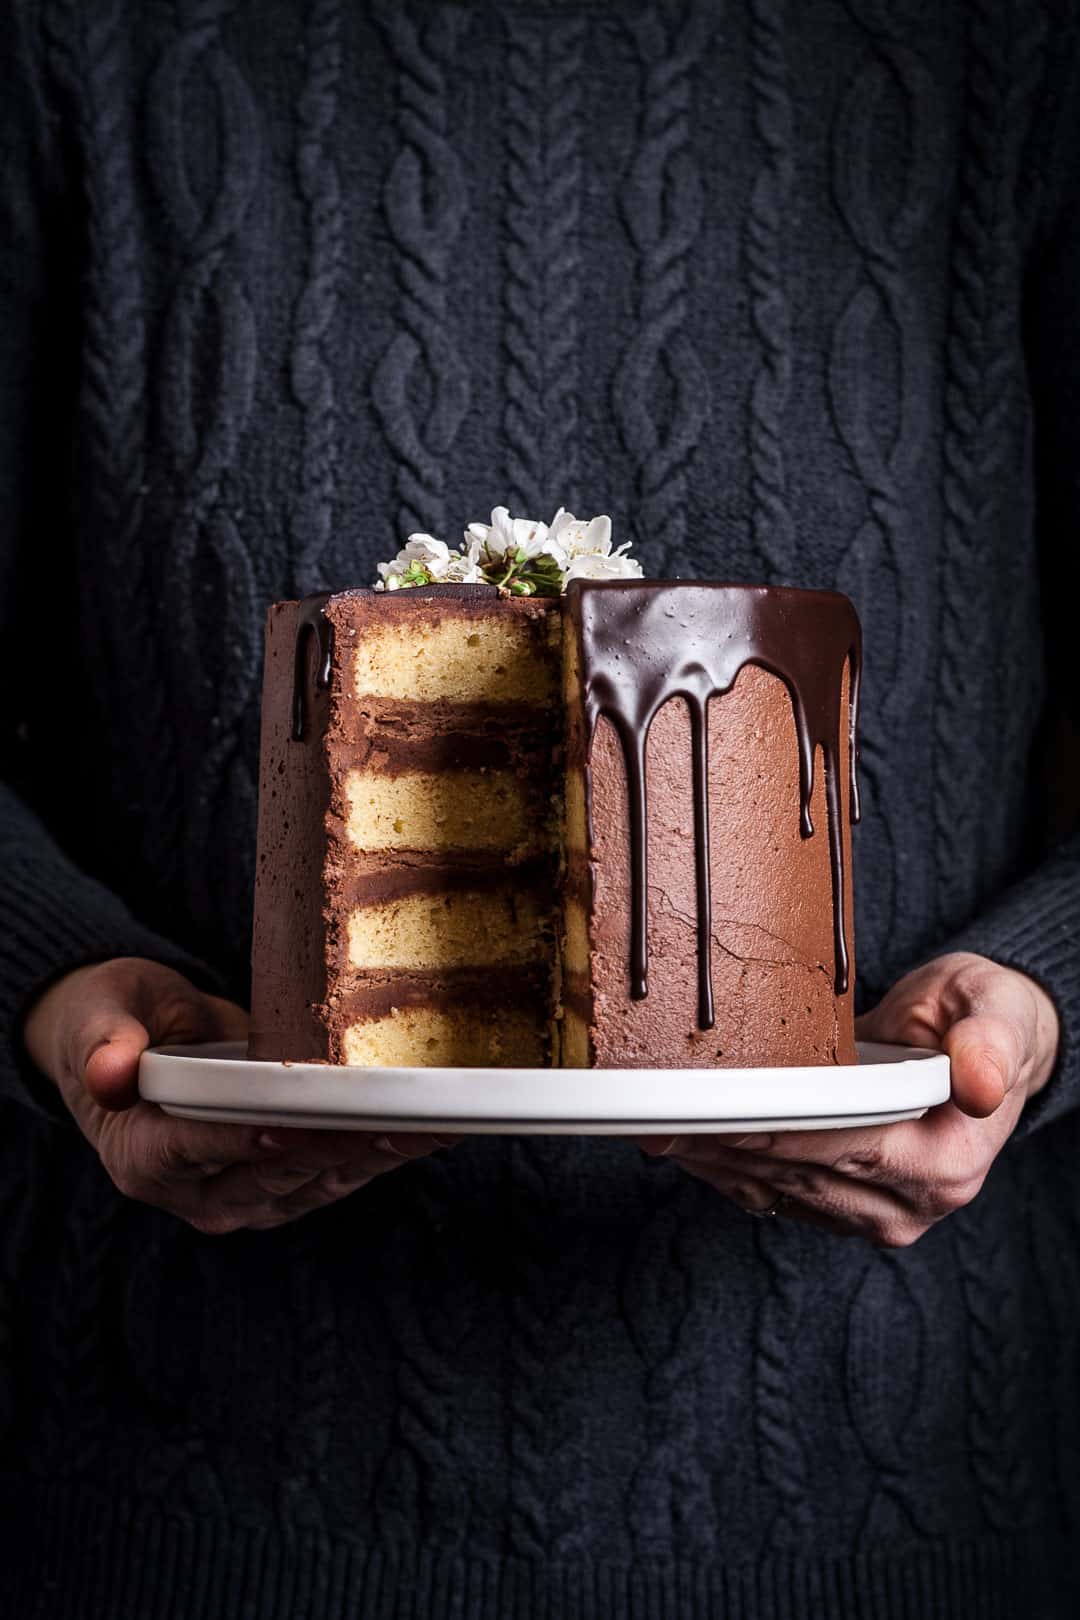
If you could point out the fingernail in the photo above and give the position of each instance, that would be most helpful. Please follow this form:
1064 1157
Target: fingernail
448 1141
271 1144
383 1144
660 1147
752 1144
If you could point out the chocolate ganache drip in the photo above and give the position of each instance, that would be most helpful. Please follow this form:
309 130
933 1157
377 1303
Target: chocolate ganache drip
311 620
641 645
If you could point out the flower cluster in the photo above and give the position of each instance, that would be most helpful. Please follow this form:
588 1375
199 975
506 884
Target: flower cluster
520 556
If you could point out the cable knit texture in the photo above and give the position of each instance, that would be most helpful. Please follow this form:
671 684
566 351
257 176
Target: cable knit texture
791 289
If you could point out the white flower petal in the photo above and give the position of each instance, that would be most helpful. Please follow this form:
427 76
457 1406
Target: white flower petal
433 554
500 536
598 535
595 565
462 569
529 536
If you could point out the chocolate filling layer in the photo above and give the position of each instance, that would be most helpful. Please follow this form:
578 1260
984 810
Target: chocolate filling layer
395 738
375 995
436 876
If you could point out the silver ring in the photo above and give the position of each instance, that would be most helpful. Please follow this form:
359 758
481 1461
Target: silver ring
773 1210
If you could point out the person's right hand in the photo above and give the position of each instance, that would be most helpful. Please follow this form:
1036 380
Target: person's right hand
87 1032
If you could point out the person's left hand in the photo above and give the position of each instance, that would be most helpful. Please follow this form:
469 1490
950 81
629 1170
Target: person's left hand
890 1183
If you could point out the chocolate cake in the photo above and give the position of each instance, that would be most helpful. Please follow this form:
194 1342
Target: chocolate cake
610 828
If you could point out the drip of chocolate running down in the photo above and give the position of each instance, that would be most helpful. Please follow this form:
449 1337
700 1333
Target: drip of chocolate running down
643 644
310 621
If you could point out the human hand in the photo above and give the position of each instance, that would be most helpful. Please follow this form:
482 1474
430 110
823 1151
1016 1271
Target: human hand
87 1033
891 1183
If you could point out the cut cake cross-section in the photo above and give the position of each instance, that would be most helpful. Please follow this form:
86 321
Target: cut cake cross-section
410 798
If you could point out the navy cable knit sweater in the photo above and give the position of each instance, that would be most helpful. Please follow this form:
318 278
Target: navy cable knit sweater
792 289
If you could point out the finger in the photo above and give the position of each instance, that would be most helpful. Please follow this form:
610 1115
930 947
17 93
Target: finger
910 1156
221 1177
149 1149
328 1188
755 1197
344 1154
658 1147
176 1013
846 1206
414 1144
984 1016
908 1162
664 1147
939 1167
335 1147
105 1046
911 1014
987 1053
204 1149
153 1150
239 1198
866 1152
921 1006
111 1013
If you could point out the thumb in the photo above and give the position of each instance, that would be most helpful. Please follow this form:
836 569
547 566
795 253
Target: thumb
986 1052
111 1043
165 1007
982 1015
91 1027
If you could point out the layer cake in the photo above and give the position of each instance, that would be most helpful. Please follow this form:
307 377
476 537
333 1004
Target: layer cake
605 829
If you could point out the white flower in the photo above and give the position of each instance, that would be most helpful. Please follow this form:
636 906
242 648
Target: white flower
506 534
432 554
464 566
569 537
420 550
520 555
602 565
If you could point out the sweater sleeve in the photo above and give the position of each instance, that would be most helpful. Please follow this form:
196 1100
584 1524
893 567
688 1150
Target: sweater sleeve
1035 926
55 916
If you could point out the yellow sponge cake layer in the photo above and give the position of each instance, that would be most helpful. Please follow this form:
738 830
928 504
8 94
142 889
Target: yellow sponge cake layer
449 930
436 1036
575 1050
459 810
482 660
576 820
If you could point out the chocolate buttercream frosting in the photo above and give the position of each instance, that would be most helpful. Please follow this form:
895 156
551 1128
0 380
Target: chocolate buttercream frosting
641 645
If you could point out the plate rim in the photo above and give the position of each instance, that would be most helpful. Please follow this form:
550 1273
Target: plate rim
460 1099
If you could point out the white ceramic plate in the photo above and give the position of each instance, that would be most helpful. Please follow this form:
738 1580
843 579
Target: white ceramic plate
220 1082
